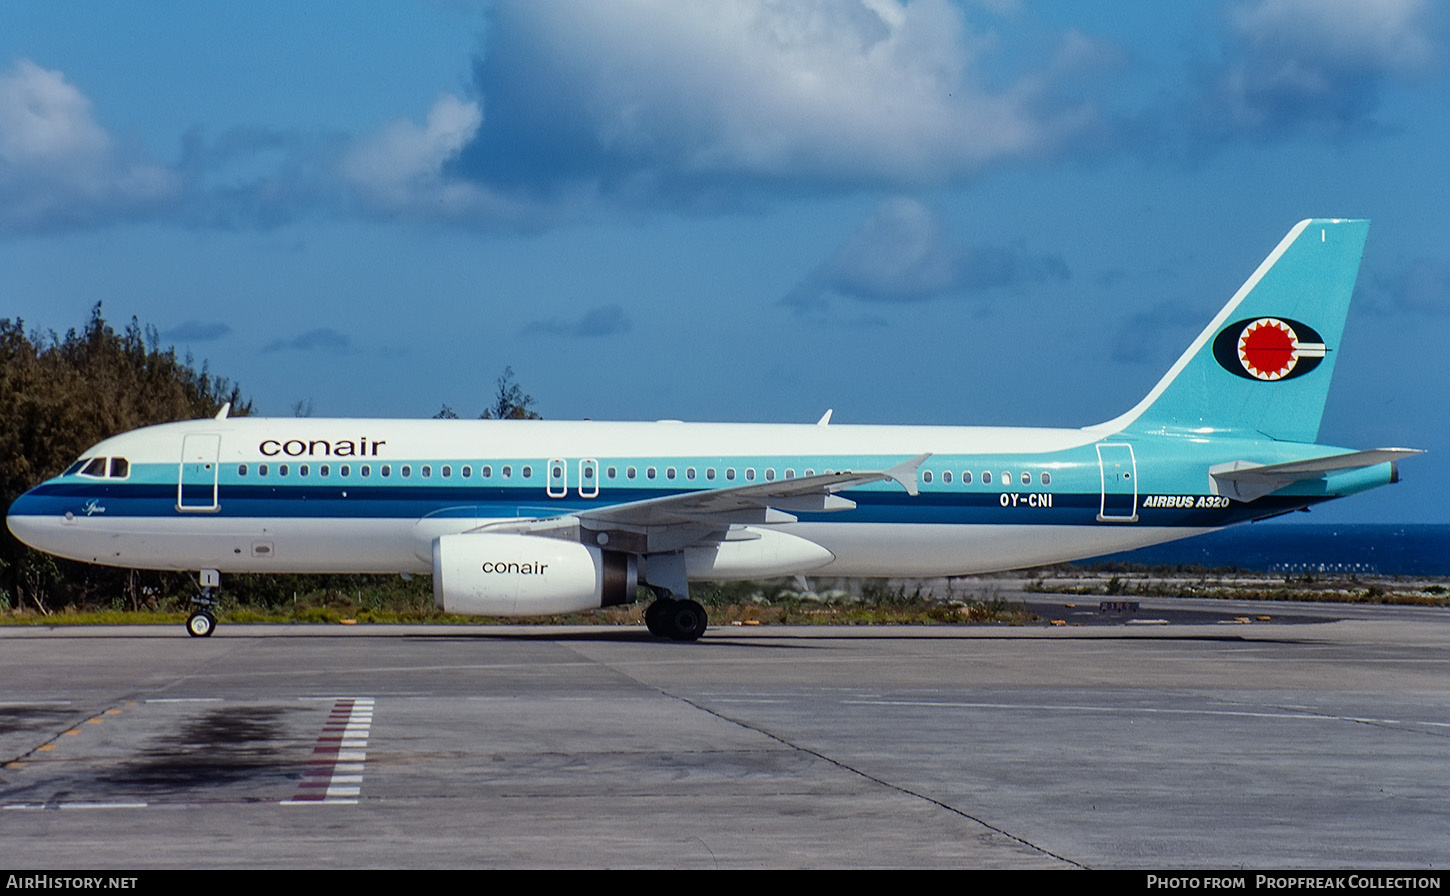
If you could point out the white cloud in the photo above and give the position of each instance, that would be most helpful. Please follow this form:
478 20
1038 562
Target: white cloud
646 101
1384 34
902 253
1319 65
400 168
640 91
58 166
405 170
404 158
46 122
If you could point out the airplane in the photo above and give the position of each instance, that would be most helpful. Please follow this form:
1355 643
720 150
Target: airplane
520 518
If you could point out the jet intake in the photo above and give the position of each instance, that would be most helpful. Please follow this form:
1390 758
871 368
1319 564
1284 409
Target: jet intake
527 575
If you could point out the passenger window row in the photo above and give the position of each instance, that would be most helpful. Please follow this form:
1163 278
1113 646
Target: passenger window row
1044 478
692 474
385 471
97 467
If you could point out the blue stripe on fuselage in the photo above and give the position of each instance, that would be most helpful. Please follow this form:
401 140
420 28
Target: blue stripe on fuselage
415 502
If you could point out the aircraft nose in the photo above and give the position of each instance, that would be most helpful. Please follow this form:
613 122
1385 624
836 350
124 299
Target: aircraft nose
27 520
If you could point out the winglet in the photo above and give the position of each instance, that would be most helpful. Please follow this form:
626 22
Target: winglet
905 473
226 409
825 418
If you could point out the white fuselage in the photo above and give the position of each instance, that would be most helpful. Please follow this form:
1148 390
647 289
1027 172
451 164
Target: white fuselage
304 495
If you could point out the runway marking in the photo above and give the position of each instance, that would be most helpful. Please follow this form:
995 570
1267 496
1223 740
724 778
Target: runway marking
1261 714
164 804
184 700
335 772
99 805
76 805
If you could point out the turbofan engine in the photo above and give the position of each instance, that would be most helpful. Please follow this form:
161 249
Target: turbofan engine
526 575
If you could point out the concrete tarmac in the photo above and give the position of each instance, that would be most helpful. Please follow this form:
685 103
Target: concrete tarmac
1317 742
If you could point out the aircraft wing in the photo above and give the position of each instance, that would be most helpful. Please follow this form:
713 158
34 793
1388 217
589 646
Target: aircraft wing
658 525
1245 481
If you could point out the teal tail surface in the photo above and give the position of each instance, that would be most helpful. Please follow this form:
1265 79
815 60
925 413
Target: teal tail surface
1262 368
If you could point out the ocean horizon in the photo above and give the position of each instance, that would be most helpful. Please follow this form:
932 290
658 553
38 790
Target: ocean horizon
1369 549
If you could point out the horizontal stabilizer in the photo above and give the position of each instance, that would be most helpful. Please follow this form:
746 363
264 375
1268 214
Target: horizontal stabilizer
1245 481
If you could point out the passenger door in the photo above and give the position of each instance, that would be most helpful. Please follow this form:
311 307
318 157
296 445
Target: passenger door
1119 472
196 485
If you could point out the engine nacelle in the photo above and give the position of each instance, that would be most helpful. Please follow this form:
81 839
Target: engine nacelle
526 575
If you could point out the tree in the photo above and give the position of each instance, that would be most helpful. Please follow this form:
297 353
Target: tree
59 397
510 402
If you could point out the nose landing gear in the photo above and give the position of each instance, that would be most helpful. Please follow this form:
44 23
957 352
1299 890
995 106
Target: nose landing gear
200 624
202 621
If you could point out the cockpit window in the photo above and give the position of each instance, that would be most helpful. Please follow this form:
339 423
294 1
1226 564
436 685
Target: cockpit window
76 467
102 467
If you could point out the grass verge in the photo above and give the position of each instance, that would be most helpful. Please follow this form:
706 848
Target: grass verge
745 603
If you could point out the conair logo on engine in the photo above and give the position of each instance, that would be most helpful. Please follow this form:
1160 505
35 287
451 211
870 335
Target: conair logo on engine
514 569
1268 348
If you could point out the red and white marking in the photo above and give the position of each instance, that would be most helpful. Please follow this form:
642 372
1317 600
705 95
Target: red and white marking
1269 349
335 772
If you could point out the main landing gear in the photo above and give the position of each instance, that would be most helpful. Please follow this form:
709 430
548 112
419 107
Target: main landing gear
673 615
202 621
677 619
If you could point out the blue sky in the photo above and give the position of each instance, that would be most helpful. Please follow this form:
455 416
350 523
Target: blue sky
990 212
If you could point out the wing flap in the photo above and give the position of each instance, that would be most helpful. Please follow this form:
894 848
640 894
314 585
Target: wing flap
742 503
674 522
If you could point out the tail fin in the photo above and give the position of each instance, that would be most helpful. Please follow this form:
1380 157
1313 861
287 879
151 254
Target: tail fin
1263 366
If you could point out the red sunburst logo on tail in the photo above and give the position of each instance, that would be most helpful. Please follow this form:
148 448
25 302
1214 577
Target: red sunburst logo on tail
1268 348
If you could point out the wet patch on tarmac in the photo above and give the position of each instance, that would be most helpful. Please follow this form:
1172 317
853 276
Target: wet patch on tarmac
221 748
20 719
